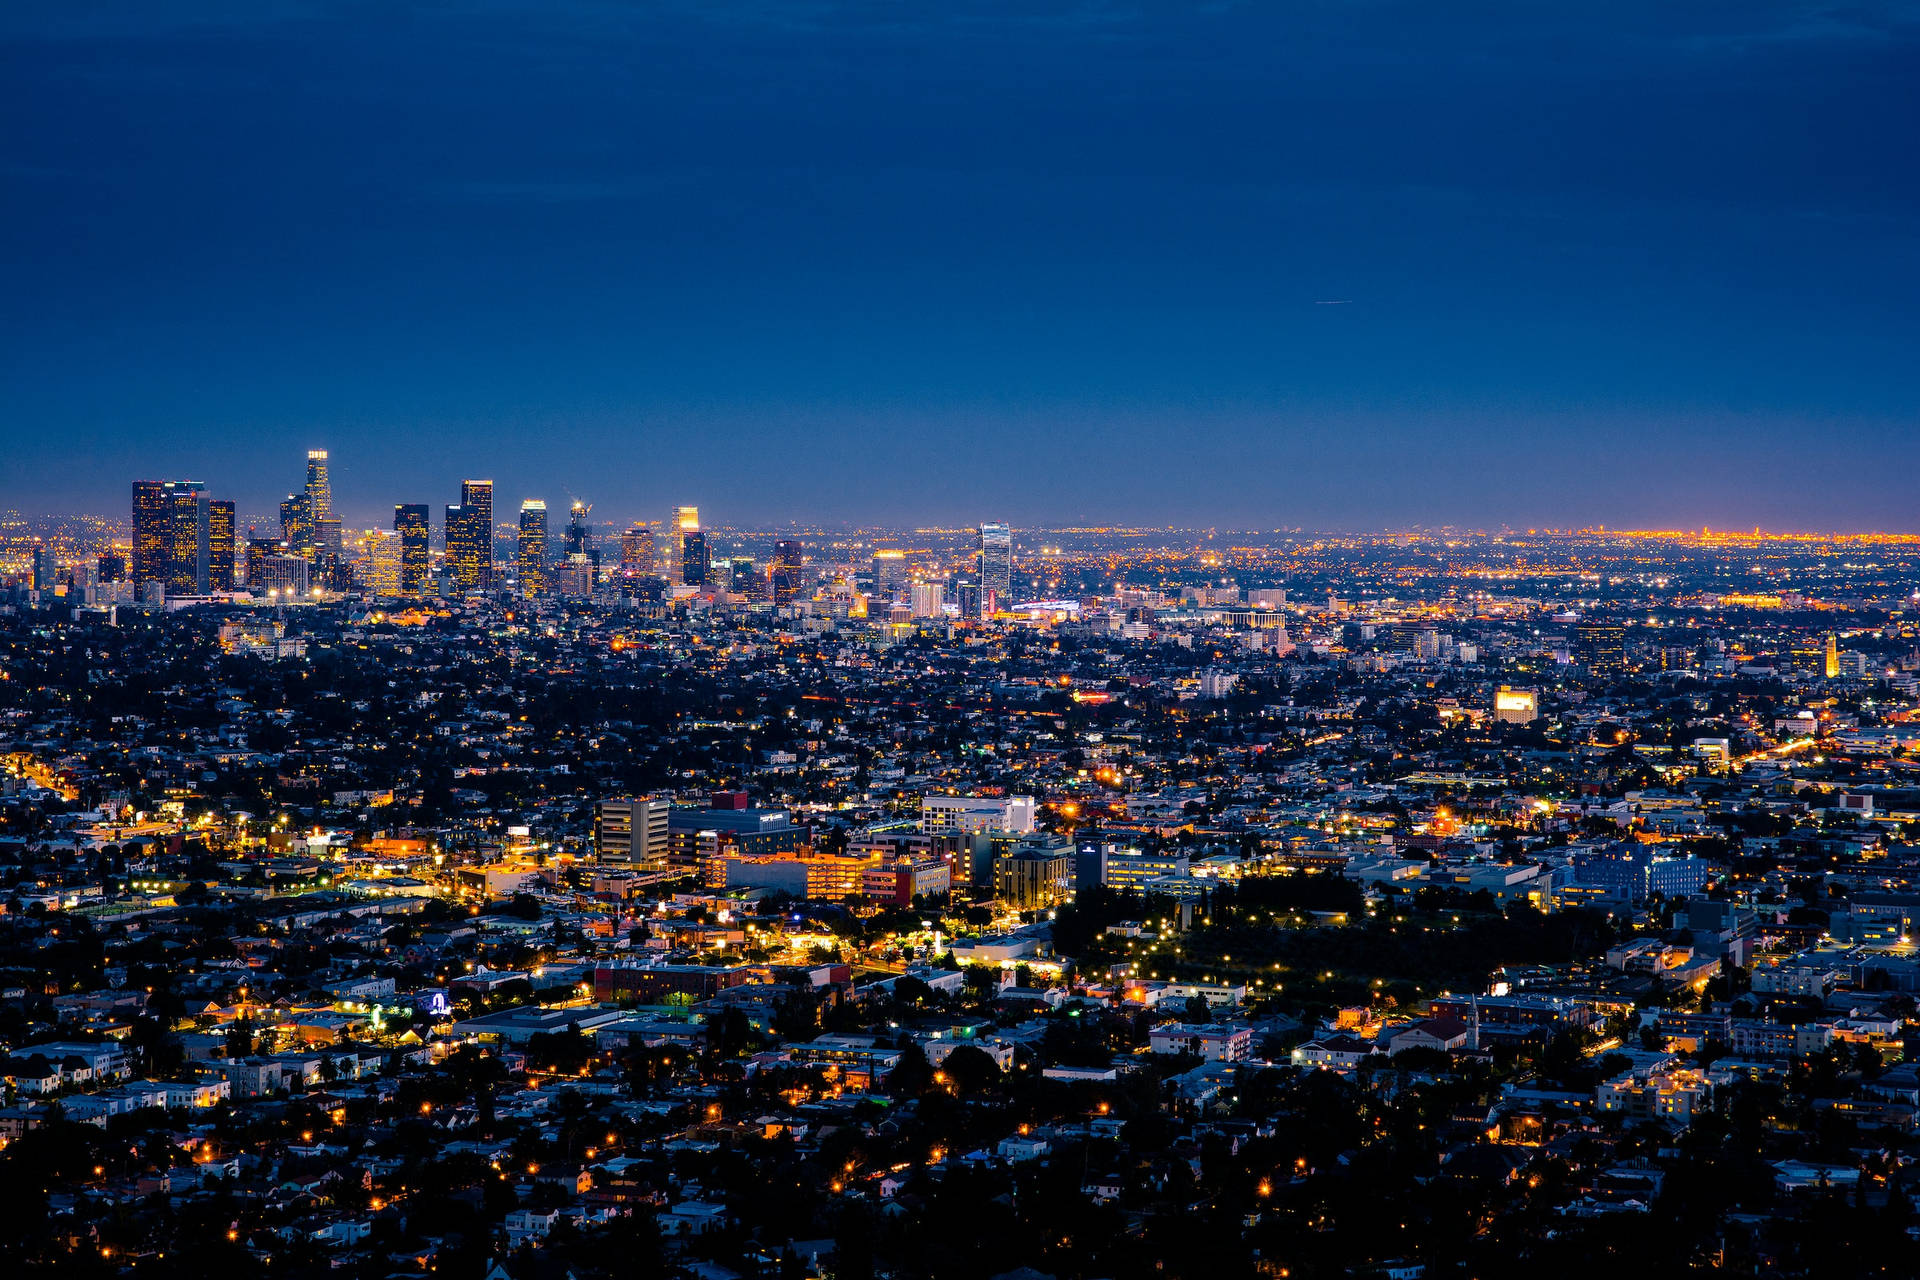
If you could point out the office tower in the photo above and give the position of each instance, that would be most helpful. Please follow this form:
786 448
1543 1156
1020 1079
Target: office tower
696 561
112 568
1603 646
1516 706
328 539
532 562
220 520
889 574
258 549
477 497
1833 656
43 571
319 488
966 598
996 567
188 539
579 538
745 580
787 558
685 520
470 537
636 552
410 521
463 558
377 561
281 574
296 522
929 599
152 533
632 832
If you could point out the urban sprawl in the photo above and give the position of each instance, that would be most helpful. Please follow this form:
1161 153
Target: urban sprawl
472 898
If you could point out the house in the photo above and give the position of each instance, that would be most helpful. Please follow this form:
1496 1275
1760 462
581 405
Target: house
1444 1034
1016 1148
690 1217
1332 1053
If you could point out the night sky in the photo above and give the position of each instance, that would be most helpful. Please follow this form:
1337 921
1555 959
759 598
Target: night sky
1334 265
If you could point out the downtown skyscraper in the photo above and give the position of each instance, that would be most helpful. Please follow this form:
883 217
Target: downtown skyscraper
181 540
788 556
470 537
319 488
411 522
532 560
996 567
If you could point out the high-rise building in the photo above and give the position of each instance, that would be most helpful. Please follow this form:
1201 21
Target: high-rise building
685 520
1516 706
220 520
470 537
319 488
632 832
745 579
889 574
189 539
929 599
1603 646
532 561
152 533
411 522
44 571
636 552
280 574
966 598
296 522
258 549
996 567
696 560
579 536
378 561
1832 667
788 557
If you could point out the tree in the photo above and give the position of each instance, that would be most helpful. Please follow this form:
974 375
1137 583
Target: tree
973 1072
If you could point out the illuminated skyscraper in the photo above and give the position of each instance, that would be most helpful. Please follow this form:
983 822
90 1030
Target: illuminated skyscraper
220 519
152 533
636 552
579 537
189 553
319 488
532 562
470 537
376 558
685 520
1833 656
1603 645
747 580
996 567
410 521
889 574
296 522
696 559
44 569
788 557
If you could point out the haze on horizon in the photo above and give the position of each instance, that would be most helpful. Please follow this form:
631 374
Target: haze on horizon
1632 264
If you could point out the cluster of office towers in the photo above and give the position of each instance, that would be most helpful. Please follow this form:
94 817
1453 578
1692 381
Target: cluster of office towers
185 544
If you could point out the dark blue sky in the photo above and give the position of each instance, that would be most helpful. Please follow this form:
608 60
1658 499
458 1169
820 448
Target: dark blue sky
1627 263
